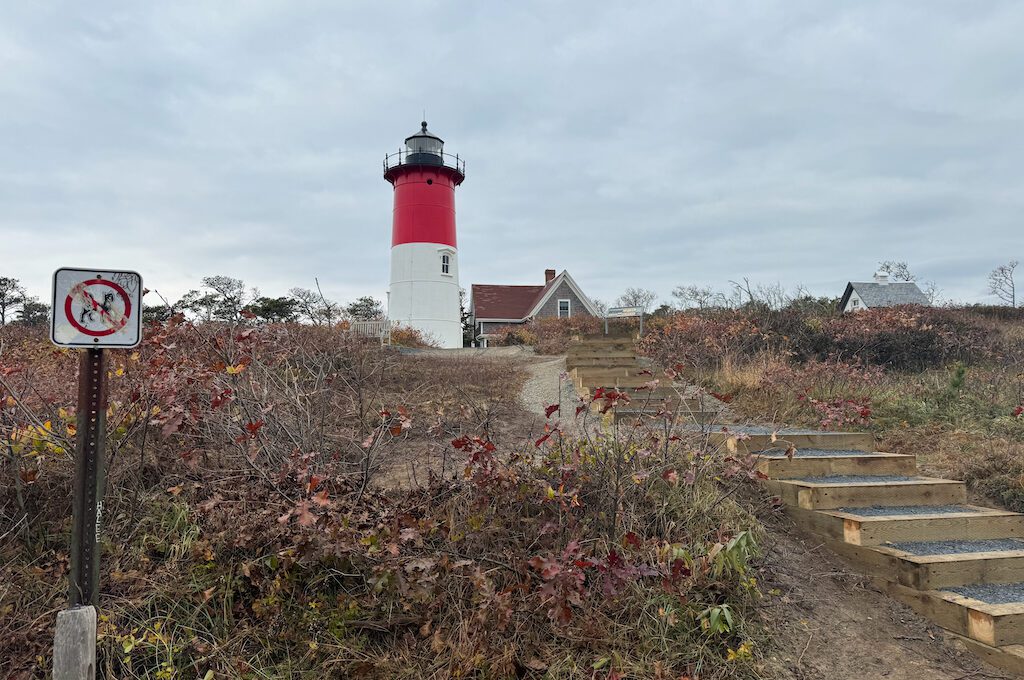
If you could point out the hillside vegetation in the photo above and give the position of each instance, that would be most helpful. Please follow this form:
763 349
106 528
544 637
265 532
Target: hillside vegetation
944 383
287 501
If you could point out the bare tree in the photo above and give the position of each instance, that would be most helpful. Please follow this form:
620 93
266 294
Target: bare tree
690 297
601 305
230 295
1002 285
932 291
11 295
314 306
898 270
637 297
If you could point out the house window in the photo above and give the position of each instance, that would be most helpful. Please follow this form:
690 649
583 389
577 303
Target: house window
855 303
445 264
564 308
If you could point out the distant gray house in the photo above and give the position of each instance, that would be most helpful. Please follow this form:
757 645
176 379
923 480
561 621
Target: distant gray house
492 307
881 293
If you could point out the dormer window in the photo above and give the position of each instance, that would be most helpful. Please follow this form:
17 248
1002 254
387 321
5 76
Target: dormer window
446 264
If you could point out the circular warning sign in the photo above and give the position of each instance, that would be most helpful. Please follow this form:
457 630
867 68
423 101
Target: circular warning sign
97 307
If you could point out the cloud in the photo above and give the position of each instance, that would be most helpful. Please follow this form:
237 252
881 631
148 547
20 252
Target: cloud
653 145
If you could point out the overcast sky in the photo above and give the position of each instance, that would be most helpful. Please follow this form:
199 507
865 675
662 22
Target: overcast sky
635 144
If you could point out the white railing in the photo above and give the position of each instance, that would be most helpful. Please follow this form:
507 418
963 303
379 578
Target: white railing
377 328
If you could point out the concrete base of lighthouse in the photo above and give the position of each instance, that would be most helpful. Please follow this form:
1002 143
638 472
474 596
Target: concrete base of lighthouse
423 295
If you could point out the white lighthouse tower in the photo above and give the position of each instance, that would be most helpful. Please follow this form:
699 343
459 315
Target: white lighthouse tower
424 291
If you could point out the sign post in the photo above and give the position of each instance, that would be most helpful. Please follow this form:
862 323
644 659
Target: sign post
92 310
624 313
90 477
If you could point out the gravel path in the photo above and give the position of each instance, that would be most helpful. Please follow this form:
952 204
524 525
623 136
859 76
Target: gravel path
542 385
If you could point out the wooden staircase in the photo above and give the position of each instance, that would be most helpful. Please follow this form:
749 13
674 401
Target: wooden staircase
960 565
611 363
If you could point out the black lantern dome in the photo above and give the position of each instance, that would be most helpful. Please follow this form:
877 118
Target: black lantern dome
424 147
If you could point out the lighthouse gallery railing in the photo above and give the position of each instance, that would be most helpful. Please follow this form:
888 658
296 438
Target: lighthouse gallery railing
401 157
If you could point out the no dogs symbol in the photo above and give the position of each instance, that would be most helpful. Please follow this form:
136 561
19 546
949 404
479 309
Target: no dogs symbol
98 307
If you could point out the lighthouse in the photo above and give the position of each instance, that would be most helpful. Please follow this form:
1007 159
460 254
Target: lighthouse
424 292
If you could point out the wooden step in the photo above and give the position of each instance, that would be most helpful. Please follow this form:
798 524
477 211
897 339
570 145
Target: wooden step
605 362
605 341
639 401
988 561
1008 657
992 624
893 524
825 462
752 440
621 383
627 413
825 493
587 353
615 372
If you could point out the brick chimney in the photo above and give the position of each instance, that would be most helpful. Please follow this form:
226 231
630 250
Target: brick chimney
549 276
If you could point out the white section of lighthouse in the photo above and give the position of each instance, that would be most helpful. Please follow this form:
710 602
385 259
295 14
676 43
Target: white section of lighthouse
424 291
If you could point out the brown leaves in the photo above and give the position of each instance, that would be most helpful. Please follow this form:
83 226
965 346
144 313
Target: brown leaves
301 513
547 567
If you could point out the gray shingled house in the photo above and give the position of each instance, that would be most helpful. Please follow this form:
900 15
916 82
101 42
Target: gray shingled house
492 307
881 293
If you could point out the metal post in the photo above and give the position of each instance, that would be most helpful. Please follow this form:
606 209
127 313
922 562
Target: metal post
90 478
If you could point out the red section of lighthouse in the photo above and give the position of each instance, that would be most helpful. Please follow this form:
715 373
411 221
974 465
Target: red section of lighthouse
424 206
424 290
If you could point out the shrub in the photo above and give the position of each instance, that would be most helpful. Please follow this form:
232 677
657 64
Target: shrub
899 338
407 336
549 335
997 472
909 338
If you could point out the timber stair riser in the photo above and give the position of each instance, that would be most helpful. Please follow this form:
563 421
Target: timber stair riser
601 362
1008 657
622 383
602 373
933 572
827 496
679 415
601 353
990 624
756 443
823 466
879 530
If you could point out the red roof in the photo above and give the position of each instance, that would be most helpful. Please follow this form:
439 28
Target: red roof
505 302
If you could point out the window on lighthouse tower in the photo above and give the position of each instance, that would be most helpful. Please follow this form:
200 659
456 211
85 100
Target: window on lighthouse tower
445 264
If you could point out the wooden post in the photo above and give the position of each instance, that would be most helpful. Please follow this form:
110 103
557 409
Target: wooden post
90 479
74 648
